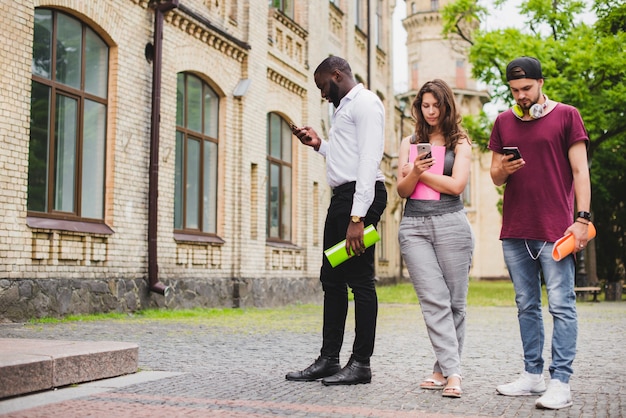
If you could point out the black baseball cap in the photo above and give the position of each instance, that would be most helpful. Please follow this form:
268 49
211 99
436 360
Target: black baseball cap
530 68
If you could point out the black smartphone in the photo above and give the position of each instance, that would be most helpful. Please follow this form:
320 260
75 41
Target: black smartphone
422 148
293 127
512 151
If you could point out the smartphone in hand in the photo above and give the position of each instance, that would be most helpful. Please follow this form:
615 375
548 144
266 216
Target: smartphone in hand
424 148
293 127
512 151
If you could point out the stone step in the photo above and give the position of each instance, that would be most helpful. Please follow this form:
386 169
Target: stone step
28 365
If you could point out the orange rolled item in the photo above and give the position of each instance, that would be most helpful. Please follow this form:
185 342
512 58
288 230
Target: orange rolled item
565 245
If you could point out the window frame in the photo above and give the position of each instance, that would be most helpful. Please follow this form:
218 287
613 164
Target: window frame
184 232
283 210
57 89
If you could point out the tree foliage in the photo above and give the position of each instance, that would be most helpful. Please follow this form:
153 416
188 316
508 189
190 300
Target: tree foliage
584 66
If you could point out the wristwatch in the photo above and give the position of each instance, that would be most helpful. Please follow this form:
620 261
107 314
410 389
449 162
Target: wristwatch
355 219
584 215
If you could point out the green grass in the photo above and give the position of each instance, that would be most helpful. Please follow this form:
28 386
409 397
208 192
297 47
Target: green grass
293 317
481 293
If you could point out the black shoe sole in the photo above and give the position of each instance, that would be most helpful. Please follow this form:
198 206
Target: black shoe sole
302 379
359 382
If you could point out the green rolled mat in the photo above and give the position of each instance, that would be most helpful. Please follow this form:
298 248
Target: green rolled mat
337 254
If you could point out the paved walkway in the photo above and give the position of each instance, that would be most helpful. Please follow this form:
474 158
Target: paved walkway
235 368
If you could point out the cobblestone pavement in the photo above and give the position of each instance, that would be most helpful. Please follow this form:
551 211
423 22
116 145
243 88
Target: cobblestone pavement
237 370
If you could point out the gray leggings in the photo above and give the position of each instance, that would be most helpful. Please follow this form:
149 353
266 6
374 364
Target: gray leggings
437 251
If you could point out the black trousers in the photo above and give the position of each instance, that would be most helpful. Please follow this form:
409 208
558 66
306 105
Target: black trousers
357 272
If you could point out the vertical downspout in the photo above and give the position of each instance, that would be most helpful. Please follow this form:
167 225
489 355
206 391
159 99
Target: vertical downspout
153 190
369 45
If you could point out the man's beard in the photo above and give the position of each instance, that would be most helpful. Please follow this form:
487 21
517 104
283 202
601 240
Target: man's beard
532 102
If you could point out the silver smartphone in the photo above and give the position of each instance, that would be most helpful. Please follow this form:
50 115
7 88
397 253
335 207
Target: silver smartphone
424 148
514 151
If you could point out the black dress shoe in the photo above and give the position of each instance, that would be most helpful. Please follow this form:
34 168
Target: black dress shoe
323 367
354 373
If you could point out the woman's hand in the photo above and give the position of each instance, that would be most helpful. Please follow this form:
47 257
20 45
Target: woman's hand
421 165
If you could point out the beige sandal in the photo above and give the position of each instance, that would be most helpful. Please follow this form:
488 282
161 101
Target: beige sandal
453 391
433 384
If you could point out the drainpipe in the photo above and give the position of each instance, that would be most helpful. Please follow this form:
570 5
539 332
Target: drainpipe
369 44
153 190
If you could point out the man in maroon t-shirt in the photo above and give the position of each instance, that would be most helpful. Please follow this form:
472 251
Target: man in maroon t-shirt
539 150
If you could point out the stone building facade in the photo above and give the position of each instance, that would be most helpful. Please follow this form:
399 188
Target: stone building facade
145 154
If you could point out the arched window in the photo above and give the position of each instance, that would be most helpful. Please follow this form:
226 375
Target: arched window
66 164
195 199
279 172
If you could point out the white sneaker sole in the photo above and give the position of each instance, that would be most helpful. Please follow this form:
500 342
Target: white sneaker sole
547 406
505 393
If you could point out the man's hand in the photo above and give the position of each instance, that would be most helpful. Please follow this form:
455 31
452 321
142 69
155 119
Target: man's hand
509 165
354 239
307 136
502 167
581 235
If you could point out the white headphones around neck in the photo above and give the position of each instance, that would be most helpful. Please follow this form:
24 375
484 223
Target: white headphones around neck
536 111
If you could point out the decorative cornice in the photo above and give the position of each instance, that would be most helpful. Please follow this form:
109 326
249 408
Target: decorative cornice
213 39
297 29
283 81
424 18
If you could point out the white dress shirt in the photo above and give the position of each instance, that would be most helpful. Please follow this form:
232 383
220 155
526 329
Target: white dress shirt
355 146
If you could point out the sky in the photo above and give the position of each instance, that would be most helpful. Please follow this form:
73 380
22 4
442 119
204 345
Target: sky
498 18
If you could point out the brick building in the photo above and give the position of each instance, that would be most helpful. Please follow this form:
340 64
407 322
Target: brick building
146 159
145 155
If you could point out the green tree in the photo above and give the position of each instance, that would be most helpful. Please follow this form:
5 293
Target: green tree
584 66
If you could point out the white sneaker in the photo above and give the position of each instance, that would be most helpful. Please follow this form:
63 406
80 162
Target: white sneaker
527 384
556 397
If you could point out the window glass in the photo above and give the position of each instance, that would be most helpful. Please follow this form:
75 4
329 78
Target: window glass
180 99
38 152
178 182
94 127
210 183
286 203
210 112
192 186
96 57
285 136
194 104
65 152
68 51
275 132
42 43
274 196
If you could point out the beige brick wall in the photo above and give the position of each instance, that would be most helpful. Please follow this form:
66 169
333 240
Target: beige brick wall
15 53
279 65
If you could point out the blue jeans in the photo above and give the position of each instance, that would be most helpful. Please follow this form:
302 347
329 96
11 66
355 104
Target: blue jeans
527 260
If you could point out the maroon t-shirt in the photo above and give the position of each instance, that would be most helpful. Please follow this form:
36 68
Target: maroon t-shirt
539 198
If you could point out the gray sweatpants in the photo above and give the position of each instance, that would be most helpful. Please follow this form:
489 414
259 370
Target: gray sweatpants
438 251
